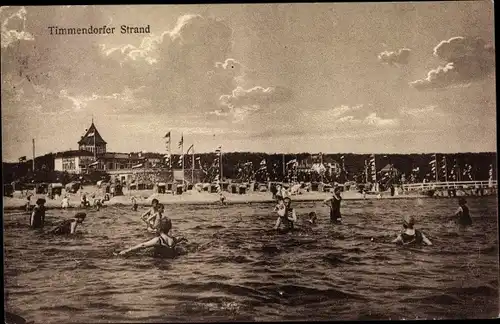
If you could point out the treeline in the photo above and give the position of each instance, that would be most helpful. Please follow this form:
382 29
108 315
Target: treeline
354 163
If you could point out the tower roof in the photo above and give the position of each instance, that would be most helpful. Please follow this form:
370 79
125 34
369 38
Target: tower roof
88 138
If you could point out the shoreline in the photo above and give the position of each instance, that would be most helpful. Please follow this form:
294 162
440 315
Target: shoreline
195 198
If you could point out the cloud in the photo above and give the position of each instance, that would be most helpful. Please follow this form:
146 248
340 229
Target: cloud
10 36
240 103
401 57
423 112
370 120
468 60
373 119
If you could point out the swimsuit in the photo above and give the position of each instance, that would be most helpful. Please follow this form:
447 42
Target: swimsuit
464 218
417 238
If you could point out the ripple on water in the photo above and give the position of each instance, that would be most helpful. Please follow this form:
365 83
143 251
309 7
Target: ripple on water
236 268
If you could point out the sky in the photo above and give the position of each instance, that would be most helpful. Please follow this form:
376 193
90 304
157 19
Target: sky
287 78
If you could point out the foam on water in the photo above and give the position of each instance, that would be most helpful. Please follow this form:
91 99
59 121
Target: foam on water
236 268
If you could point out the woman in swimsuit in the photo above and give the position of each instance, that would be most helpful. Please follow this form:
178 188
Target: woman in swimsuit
153 221
162 243
37 219
69 226
410 235
286 214
462 215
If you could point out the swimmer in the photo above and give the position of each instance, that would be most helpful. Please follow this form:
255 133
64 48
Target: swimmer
286 214
222 198
311 218
37 219
83 201
410 235
65 202
164 241
154 220
152 210
134 203
28 202
69 226
462 215
334 204
97 203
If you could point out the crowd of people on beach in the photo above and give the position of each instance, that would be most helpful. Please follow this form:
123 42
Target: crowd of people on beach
165 244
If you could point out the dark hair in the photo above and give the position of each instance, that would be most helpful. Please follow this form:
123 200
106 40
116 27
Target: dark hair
80 215
155 201
312 215
462 201
40 201
165 225
160 206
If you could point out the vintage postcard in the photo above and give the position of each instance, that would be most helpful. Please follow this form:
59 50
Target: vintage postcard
249 162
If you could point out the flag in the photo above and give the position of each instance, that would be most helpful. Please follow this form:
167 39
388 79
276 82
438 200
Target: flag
168 136
491 172
190 148
181 142
22 159
218 149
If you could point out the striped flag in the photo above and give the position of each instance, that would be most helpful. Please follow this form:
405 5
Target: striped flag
373 167
181 142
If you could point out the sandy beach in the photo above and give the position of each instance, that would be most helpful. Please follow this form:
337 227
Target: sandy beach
191 197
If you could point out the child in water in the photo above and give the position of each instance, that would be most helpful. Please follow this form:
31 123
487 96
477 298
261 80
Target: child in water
65 202
154 220
134 203
462 215
222 198
152 210
164 242
286 214
69 226
410 235
37 219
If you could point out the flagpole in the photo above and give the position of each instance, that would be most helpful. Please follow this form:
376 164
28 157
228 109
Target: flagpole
192 167
182 156
283 165
445 169
436 167
220 161
95 152
33 155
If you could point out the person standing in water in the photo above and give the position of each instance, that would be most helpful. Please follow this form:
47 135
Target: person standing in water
462 215
163 244
69 226
410 235
154 220
334 204
37 219
65 202
152 210
286 214
134 203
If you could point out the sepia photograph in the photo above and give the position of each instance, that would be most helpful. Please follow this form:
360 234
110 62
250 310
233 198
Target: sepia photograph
249 162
